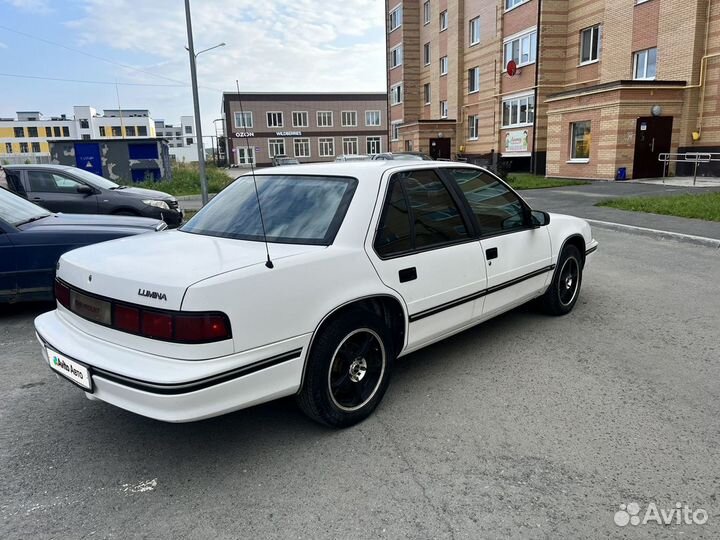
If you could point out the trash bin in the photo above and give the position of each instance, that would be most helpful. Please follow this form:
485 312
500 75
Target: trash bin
621 174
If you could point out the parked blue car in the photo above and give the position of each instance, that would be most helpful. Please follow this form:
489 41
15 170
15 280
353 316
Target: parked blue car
32 240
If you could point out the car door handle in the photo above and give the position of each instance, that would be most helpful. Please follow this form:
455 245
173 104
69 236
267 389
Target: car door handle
491 253
407 274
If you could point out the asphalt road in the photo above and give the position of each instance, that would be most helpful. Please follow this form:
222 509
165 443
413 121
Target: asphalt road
524 427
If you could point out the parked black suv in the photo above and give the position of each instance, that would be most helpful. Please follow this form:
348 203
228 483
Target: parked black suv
60 188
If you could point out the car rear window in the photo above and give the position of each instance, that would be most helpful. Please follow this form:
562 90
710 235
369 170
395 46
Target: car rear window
296 209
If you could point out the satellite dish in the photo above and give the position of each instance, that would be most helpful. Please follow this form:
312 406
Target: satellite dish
512 68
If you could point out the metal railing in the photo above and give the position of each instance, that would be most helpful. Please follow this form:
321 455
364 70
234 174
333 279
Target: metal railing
695 158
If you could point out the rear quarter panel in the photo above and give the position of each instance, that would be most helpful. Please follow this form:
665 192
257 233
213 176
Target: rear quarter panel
269 305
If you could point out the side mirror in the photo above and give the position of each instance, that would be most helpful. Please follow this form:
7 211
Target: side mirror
85 190
538 218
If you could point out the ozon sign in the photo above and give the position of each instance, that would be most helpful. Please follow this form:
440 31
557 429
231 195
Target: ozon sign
243 134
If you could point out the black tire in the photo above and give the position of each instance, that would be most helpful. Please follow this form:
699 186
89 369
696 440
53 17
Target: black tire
348 370
564 290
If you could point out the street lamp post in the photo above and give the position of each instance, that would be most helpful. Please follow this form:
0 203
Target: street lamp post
196 102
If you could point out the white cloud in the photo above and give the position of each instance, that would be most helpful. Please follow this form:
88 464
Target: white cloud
33 6
275 45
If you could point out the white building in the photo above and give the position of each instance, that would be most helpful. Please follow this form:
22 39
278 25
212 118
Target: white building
25 138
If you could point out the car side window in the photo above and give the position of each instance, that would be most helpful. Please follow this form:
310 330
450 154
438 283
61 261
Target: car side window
65 184
41 182
394 234
496 208
436 218
419 213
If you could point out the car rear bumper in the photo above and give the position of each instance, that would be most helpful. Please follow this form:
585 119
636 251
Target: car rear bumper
194 390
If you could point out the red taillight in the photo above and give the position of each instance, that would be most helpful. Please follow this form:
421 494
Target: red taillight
174 326
157 325
62 294
126 319
201 328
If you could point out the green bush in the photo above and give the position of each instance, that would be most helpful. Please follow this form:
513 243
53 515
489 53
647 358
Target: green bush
186 180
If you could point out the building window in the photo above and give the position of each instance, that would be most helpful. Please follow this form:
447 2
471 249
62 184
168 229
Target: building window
443 20
473 80
408 146
35 147
276 147
426 12
243 120
509 4
521 49
443 109
300 119
32 131
348 118
473 125
56 131
350 146
65 131
8 148
518 111
102 131
189 141
142 131
86 137
23 148
426 93
324 118
48 132
19 131
396 94
443 65
130 131
274 119
426 54
372 118
580 141
84 124
590 44
116 131
373 145
645 65
326 146
396 56
188 130
395 130
302 147
475 31
395 19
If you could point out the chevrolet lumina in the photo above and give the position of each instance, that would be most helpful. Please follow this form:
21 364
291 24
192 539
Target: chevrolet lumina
364 262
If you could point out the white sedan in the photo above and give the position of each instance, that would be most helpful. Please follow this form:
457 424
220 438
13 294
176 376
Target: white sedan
364 262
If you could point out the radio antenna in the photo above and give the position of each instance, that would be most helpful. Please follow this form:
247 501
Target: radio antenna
268 262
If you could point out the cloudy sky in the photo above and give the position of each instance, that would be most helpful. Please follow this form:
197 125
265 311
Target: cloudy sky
272 45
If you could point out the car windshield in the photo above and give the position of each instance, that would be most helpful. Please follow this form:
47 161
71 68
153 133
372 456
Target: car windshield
94 179
295 209
16 210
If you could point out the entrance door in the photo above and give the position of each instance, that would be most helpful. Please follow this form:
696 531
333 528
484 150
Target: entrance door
440 148
652 138
246 155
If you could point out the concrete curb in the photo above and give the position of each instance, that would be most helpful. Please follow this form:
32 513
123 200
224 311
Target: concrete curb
655 233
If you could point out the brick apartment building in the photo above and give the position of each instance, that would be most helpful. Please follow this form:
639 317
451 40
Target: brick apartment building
308 126
600 85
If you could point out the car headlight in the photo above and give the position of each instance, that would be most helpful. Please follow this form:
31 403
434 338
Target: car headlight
157 204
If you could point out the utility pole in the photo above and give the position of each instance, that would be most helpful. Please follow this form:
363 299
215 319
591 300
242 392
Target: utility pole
196 104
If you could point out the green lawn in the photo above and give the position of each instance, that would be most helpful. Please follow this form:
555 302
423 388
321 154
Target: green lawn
531 181
705 206
186 181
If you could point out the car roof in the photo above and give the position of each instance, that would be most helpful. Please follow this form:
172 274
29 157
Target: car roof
362 170
42 166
